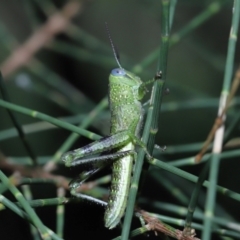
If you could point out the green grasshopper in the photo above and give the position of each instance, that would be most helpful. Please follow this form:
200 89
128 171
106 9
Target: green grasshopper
125 92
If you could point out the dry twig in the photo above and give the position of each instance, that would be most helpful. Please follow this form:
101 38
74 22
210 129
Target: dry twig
220 119
56 24
156 225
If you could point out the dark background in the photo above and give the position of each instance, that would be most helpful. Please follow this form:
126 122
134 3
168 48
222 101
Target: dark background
195 72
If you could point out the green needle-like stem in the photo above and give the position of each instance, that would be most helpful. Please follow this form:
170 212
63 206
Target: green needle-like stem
31 213
84 124
54 121
60 214
217 145
23 215
17 124
152 118
193 178
209 12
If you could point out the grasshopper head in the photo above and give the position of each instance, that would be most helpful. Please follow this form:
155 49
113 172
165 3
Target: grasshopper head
123 77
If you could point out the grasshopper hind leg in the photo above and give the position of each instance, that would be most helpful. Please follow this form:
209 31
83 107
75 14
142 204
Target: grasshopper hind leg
96 163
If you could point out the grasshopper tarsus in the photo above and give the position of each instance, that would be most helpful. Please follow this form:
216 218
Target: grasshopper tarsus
158 75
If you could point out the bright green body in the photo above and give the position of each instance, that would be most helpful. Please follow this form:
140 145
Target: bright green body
125 91
126 115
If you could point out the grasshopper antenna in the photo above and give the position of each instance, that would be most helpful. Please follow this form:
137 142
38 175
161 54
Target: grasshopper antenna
115 52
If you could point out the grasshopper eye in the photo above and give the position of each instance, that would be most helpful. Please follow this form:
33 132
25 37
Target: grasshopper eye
118 72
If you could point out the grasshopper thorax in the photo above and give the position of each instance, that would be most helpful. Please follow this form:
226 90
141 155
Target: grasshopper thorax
127 80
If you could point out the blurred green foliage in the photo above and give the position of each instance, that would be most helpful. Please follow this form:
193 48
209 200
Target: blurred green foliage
71 76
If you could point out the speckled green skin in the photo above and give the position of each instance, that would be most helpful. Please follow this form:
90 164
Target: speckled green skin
126 115
125 91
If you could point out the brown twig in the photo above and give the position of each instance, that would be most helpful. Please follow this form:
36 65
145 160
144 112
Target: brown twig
19 172
156 225
220 119
57 23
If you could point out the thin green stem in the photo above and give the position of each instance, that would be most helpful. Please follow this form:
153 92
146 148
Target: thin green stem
28 195
80 54
50 202
135 232
215 160
224 221
152 119
210 11
47 118
43 126
179 222
191 160
32 215
194 198
192 178
135 180
17 124
31 13
86 122
60 214
23 215
174 190
75 97
181 196
25 181
172 11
